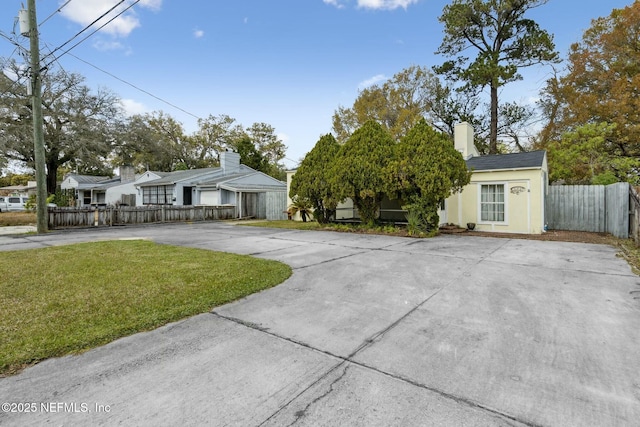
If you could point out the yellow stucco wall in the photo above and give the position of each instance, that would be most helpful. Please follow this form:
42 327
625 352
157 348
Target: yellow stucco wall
524 201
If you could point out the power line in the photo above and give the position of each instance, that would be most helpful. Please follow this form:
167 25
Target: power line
135 87
13 42
14 84
17 48
57 11
86 28
90 64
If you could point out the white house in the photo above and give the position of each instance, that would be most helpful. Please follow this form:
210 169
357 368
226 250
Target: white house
254 193
103 190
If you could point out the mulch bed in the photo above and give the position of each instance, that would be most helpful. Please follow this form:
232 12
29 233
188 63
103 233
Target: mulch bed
552 235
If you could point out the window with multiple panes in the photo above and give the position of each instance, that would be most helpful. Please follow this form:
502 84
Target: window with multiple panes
492 205
157 195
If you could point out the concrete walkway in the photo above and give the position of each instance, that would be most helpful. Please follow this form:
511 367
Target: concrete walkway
369 330
17 229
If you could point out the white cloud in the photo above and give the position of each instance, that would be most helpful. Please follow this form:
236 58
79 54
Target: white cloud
132 107
86 11
108 45
374 4
385 4
283 137
372 81
335 3
532 100
198 33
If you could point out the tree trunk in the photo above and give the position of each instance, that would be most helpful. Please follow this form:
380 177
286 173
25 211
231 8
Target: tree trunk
52 176
493 133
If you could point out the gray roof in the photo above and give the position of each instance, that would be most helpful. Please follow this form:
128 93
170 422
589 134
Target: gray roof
88 179
232 186
195 176
176 176
103 185
160 174
249 181
222 178
527 160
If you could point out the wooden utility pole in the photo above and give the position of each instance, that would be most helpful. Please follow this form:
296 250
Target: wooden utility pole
38 137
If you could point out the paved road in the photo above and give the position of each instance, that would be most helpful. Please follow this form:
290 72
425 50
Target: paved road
369 330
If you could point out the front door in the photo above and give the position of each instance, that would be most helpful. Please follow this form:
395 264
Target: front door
186 196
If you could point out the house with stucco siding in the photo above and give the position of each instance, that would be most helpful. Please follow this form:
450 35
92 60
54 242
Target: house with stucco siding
507 191
506 194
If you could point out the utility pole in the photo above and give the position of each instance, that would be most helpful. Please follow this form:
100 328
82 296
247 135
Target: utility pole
38 137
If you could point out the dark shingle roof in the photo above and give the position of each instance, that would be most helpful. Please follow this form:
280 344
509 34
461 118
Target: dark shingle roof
531 159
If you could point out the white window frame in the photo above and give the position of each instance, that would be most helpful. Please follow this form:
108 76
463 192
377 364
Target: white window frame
505 187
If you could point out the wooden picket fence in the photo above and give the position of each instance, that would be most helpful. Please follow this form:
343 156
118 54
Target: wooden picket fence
126 215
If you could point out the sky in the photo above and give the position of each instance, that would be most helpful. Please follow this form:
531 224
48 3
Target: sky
287 63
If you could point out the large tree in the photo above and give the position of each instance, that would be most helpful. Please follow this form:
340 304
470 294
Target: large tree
400 102
584 156
270 147
425 170
214 135
415 93
157 141
358 170
601 87
267 142
312 180
504 40
79 124
249 154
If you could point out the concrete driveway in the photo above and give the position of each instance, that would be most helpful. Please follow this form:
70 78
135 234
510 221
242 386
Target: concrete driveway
369 330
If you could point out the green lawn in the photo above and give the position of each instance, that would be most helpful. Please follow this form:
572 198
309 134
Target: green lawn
343 227
72 298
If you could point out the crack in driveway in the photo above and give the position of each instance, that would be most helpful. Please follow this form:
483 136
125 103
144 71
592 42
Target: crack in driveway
368 342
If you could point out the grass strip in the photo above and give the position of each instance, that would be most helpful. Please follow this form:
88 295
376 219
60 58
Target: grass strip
9 219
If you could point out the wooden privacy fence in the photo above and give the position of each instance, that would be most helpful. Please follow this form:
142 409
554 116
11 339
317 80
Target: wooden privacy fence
123 215
596 208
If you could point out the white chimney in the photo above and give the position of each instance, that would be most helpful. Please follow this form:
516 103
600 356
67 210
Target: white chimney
229 162
463 138
127 173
